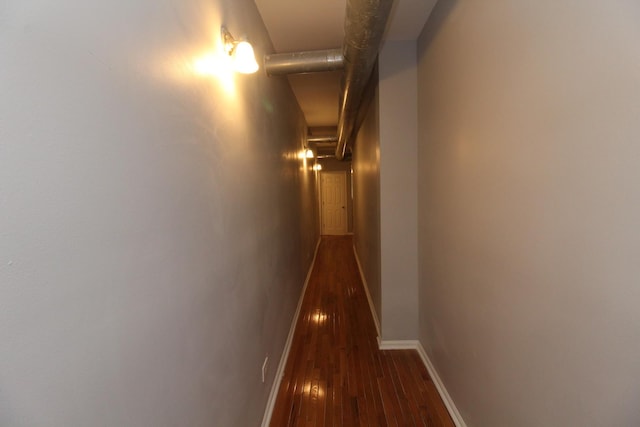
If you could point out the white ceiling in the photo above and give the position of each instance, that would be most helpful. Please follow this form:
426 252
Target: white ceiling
299 25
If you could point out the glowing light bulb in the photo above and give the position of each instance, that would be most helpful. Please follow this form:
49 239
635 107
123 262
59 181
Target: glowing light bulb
244 60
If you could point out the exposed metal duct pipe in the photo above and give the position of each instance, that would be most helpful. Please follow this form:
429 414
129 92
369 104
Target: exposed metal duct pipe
364 27
322 139
303 62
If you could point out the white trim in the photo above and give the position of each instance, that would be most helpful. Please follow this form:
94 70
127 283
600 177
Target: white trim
273 394
376 321
399 344
448 402
442 391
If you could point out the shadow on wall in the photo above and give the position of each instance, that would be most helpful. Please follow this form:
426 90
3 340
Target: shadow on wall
439 15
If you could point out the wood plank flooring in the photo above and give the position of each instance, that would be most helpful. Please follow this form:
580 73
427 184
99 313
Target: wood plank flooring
335 374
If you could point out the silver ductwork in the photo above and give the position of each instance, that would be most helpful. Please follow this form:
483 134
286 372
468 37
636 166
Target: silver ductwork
364 27
321 139
365 24
303 62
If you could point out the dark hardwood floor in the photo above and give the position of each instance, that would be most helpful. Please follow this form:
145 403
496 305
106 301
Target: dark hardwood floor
335 374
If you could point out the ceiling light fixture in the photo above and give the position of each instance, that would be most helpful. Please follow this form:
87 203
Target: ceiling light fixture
241 53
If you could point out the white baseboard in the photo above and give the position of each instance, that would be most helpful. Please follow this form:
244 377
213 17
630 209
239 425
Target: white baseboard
399 344
376 321
273 394
444 395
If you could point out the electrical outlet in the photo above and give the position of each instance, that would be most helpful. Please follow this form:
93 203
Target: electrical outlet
265 368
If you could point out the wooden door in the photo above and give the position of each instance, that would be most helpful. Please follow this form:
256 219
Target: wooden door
334 202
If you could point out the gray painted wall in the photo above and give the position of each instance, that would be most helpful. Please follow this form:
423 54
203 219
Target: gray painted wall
366 201
529 209
156 227
398 112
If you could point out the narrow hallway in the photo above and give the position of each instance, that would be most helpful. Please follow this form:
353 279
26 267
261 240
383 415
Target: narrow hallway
335 374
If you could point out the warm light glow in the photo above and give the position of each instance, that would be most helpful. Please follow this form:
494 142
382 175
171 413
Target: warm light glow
306 154
244 60
216 65
318 317
313 390
317 167
205 65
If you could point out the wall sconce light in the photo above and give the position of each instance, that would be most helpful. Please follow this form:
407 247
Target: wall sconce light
317 167
306 153
241 53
